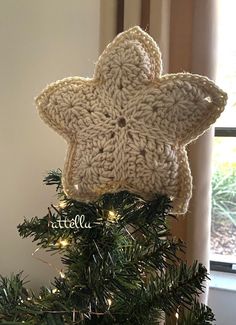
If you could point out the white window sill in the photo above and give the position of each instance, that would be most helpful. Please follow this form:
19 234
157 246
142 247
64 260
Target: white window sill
223 281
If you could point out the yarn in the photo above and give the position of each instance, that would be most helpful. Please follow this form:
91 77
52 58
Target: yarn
127 127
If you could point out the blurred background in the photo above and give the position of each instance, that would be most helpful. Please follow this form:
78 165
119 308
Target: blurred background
41 41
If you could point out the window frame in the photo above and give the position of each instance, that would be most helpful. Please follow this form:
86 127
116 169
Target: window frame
225 131
224 266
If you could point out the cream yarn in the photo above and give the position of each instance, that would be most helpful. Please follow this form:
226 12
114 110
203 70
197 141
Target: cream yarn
128 126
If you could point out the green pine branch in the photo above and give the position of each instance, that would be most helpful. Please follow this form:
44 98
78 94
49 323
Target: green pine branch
123 270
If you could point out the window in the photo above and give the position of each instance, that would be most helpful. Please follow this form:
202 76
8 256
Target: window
223 227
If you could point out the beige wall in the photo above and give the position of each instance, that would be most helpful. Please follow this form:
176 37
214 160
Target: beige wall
41 41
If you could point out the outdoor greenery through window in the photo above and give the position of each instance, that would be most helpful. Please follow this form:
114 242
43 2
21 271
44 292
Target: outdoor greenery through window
223 228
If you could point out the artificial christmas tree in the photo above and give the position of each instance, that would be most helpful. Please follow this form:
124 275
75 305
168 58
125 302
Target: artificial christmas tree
126 173
121 266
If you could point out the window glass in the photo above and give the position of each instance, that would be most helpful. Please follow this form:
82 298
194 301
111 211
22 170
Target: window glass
226 58
223 237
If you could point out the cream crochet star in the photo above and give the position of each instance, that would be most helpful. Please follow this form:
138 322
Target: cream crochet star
128 126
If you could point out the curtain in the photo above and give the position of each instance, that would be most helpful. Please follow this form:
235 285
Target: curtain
185 32
192 48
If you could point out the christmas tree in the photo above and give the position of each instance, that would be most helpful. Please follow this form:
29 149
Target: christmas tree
126 174
121 265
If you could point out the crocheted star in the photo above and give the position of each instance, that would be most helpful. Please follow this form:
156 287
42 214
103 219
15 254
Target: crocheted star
128 126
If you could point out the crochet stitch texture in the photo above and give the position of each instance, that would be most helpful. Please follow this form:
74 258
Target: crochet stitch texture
128 126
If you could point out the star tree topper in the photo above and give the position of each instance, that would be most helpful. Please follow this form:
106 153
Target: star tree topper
127 127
